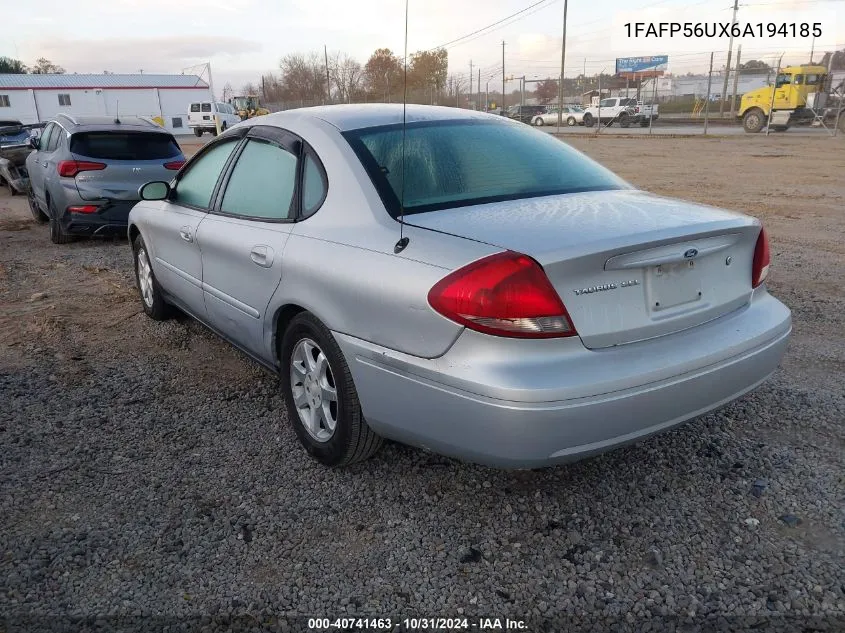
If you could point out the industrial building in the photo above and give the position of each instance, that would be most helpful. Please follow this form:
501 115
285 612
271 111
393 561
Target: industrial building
164 98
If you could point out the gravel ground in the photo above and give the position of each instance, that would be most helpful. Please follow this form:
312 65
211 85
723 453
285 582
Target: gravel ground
147 470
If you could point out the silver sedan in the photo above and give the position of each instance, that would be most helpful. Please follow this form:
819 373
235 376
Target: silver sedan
462 283
570 116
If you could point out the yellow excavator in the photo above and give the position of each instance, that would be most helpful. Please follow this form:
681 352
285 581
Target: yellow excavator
800 92
248 106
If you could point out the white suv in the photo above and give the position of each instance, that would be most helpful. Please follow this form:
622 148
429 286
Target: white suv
201 117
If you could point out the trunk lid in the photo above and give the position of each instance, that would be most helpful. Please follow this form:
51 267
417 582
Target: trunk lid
628 265
131 158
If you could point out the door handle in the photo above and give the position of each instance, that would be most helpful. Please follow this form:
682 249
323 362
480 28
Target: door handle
185 234
262 255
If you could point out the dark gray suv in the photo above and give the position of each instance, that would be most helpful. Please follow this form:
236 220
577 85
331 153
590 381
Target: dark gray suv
86 170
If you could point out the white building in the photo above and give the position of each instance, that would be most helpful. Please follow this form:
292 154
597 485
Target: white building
166 98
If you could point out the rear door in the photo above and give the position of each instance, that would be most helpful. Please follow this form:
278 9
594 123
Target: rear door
172 233
131 159
243 238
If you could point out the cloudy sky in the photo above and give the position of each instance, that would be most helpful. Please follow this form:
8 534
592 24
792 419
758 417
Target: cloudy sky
243 38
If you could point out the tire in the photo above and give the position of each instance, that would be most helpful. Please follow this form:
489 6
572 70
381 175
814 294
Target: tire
571 121
754 120
588 120
625 121
339 436
198 131
57 233
152 299
539 122
37 214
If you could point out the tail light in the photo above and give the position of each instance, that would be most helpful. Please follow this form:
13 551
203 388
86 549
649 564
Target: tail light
87 208
637 109
69 168
506 294
175 165
762 259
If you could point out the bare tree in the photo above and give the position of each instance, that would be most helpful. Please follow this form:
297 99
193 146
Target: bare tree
228 92
44 66
303 78
347 75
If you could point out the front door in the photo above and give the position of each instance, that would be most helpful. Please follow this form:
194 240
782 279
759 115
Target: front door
244 237
36 163
177 260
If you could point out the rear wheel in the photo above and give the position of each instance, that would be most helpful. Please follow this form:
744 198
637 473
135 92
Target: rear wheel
624 120
152 299
321 399
588 120
198 131
754 120
57 233
37 214
539 121
571 121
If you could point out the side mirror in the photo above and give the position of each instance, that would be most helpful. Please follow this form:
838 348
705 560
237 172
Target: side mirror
155 190
34 142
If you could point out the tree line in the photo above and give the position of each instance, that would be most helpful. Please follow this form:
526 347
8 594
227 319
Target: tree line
42 66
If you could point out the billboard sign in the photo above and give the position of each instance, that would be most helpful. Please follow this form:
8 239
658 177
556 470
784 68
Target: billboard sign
644 66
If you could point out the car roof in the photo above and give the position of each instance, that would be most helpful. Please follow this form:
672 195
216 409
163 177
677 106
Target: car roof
99 123
357 116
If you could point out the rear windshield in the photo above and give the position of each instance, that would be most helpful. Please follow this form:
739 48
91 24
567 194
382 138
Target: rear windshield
124 145
206 107
459 163
195 107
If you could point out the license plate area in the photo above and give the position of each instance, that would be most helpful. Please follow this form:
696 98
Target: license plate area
672 285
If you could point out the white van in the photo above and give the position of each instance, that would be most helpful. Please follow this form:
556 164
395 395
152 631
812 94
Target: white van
201 117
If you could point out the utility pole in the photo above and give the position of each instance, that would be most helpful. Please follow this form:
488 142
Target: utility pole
469 94
813 49
728 65
503 76
562 64
328 81
487 97
522 90
478 100
707 103
736 80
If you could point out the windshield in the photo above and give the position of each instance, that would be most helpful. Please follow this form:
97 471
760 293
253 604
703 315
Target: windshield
459 163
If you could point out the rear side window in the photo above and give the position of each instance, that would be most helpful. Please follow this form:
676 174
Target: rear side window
124 145
262 183
206 107
197 184
55 138
195 107
313 186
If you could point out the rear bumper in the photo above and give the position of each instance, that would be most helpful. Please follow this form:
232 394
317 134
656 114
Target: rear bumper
565 403
112 219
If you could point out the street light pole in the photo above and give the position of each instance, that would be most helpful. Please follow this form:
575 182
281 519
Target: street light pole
562 63
728 65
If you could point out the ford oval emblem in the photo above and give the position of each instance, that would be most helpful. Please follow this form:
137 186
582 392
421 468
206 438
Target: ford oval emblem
691 253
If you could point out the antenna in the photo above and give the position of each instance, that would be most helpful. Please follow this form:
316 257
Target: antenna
403 241
117 112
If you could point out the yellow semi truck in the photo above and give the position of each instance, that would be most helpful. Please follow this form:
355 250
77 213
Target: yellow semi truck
799 91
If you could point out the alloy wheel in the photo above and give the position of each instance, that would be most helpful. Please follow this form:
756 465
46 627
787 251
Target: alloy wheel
314 390
145 278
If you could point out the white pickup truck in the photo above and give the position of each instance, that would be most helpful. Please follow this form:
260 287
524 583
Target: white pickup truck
626 111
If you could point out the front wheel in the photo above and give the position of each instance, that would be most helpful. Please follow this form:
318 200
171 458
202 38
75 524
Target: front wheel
152 299
320 397
753 121
588 120
539 122
198 131
624 121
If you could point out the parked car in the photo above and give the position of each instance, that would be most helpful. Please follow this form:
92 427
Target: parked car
408 283
611 110
14 148
525 113
203 117
86 170
646 111
570 115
